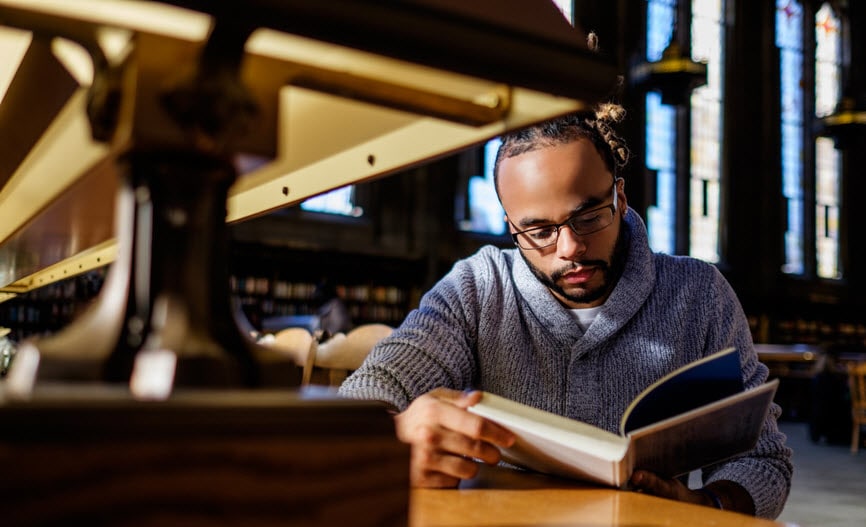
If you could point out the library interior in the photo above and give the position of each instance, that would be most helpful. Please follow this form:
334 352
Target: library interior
211 213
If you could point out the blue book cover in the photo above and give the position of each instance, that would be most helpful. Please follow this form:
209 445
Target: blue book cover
698 383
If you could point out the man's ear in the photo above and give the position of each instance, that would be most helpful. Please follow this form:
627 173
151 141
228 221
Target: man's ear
622 201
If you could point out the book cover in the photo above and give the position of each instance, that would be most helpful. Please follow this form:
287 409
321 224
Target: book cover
693 417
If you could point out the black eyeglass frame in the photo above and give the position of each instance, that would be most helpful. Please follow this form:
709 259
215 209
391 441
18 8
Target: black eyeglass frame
569 221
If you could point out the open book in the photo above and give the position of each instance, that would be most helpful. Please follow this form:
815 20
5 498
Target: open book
693 417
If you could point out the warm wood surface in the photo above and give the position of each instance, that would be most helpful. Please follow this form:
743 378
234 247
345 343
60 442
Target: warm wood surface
507 498
80 218
79 457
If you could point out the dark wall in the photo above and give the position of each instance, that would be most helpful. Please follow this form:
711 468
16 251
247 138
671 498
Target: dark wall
412 214
409 215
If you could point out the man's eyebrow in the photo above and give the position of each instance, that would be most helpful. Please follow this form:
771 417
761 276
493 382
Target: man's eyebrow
538 222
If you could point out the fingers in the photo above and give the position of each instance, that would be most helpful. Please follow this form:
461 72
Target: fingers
461 399
457 442
652 484
475 426
433 480
433 468
665 488
446 438
447 409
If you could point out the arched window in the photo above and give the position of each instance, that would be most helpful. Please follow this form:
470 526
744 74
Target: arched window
706 130
663 133
789 39
828 66
809 186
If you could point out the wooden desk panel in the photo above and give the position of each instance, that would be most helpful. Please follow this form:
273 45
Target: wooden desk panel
80 218
94 456
501 497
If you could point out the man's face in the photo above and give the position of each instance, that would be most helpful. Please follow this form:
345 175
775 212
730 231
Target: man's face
550 185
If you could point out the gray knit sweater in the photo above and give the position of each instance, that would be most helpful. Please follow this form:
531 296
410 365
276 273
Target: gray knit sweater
490 324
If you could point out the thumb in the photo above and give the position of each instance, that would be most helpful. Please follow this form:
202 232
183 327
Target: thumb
461 399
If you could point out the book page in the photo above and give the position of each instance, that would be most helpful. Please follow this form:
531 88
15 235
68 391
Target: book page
554 444
703 436
698 383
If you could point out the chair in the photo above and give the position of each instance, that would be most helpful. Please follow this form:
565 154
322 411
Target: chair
295 342
857 383
343 353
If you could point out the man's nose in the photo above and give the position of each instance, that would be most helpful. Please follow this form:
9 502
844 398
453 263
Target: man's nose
569 245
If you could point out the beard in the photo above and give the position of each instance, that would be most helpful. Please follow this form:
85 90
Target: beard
611 271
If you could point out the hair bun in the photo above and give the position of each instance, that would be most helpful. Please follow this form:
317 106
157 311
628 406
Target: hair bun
607 114
610 112
592 41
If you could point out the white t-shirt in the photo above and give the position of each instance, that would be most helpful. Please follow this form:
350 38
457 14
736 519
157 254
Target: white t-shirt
585 316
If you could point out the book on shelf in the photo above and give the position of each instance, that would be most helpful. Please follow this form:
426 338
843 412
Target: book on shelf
695 416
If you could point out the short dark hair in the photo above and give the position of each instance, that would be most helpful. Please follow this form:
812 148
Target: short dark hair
565 129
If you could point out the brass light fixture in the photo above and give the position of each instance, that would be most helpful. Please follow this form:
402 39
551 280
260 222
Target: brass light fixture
674 76
846 122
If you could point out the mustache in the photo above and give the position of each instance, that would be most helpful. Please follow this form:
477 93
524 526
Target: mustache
559 273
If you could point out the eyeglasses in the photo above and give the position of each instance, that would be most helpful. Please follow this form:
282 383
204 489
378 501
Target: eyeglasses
581 224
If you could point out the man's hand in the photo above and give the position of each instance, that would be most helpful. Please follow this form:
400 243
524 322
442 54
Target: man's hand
446 438
732 496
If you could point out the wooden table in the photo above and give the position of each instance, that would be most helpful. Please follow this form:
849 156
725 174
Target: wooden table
501 497
793 361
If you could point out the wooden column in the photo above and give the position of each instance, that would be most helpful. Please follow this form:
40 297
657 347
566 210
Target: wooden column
752 214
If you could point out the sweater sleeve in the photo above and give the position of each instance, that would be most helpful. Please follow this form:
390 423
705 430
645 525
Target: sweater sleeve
432 348
766 471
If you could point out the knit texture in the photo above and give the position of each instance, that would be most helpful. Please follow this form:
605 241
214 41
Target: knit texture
489 324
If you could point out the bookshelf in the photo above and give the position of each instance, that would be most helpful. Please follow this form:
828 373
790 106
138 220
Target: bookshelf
48 309
273 281
823 327
267 281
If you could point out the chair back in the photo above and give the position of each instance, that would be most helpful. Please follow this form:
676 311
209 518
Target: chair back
857 384
344 353
295 342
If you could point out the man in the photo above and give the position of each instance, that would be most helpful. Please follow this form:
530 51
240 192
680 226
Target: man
577 319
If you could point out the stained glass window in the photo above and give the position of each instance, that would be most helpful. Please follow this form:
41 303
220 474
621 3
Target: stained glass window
706 131
789 39
827 159
707 39
661 133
